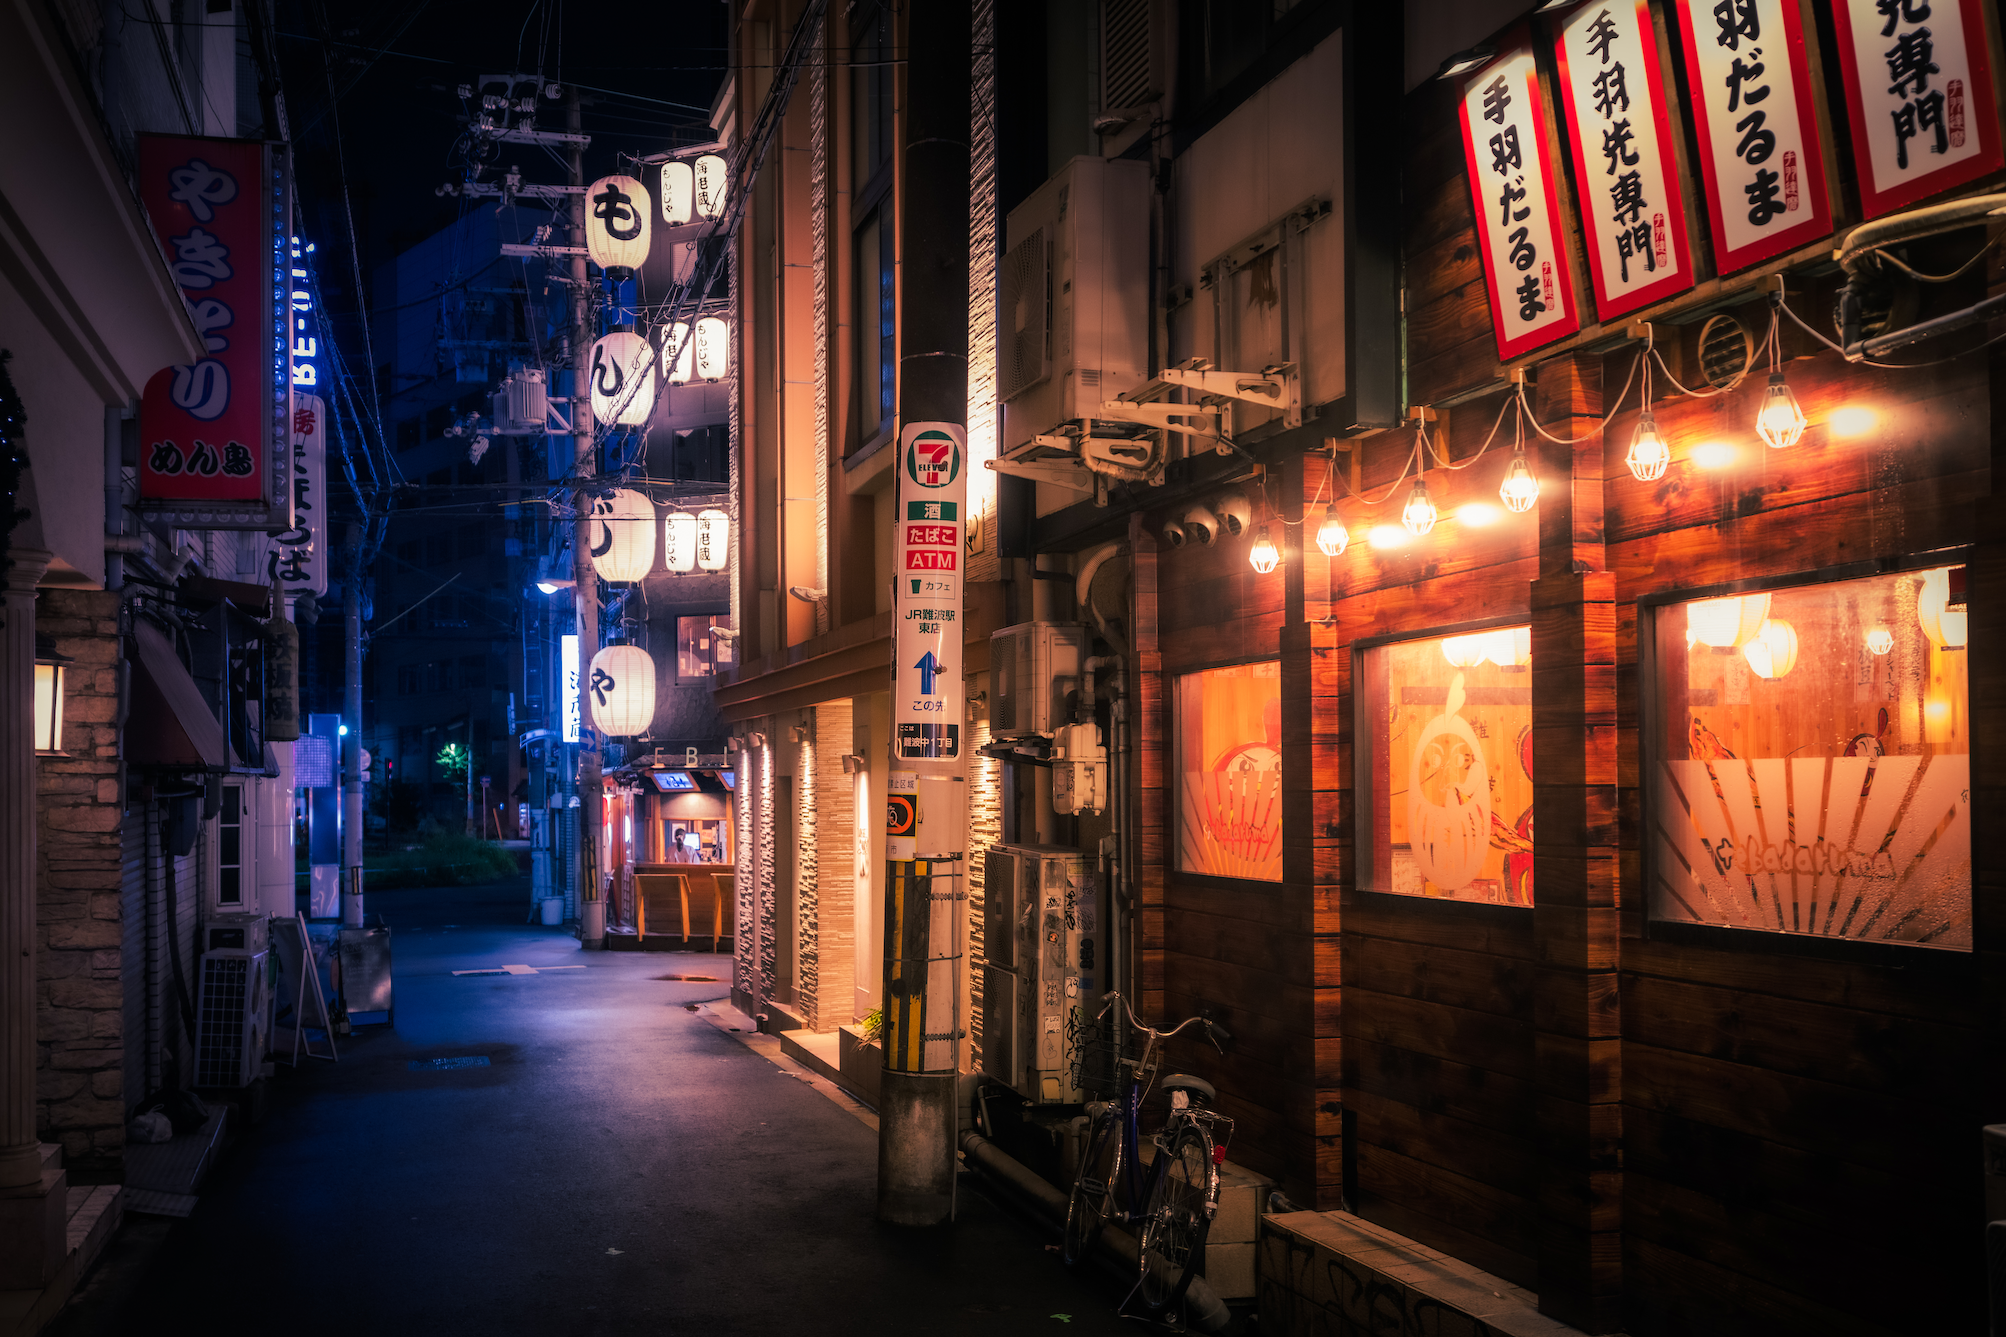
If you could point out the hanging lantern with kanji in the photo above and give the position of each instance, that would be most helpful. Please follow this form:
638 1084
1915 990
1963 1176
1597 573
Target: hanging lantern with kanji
679 542
623 379
616 224
709 174
679 352
623 536
713 539
621 687
713 344
678 193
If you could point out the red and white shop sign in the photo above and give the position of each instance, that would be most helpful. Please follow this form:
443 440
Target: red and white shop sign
1514 192
1919 94
1760 150
1612 91
205 429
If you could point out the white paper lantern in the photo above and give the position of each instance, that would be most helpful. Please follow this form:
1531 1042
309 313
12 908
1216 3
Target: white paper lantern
713 345
679 542
1466 651
678 193
623 536
1511 648
1773 651
1726 624
621 688
710 185
1948 628
679 344
616 223
623 379
713 540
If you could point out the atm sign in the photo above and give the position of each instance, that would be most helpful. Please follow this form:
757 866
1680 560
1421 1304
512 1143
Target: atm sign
919 559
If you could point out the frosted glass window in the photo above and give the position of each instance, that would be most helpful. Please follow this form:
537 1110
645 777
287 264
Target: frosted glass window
1228 738
1812 767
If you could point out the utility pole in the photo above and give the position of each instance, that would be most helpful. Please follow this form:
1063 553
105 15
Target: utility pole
926 896
585 593
351 744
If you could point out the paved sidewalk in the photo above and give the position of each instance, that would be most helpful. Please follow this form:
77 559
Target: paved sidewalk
620 1163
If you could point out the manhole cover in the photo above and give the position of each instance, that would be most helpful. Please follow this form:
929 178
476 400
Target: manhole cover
444 1064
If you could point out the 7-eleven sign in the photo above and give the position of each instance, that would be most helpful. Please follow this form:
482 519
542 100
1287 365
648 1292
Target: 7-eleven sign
933 459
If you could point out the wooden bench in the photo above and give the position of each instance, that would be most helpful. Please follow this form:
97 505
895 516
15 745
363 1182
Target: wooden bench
691 908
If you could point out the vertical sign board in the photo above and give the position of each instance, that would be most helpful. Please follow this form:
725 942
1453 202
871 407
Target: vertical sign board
1759 144
1514 192
298 559
1919 94
927 674
1613 93
567 677
211 432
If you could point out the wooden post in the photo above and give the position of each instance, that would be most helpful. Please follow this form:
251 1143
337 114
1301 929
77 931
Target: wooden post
1576 1018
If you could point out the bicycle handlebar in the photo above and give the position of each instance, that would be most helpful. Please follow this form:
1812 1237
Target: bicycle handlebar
1217 1034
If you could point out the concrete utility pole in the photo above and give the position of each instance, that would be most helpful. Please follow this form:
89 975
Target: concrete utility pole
926 883
351 745
585 594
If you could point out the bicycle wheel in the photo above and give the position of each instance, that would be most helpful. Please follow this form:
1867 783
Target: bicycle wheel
1174 1223
1094 1189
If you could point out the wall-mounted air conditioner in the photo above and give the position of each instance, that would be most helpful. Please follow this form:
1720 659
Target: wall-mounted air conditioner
1072 310
1044 969
1032 668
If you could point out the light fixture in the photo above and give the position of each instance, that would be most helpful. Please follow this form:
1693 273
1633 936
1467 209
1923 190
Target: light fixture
679 344
623 536
678 193
621 685
341 731
713 347
1726 624
1880 640
550 584
708 173
1418 515
616 224
623 379
1471 58
1263 554
807 595
1520 488
1332 538
713 539
49 681
799 733
1466 651
1779 421
1772 652
1649 455
679 542
1947 626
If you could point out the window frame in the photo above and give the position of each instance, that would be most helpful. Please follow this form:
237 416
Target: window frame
1174 778
1650 725
1361 761
677 631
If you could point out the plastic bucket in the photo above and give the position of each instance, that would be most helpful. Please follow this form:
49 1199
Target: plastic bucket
553 911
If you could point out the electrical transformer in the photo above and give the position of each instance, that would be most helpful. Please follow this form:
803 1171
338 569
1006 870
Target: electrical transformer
1045 968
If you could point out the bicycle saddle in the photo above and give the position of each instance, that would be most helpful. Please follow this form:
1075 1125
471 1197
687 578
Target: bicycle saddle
1201 1091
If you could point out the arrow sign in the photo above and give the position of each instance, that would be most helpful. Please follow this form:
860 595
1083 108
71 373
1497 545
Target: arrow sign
928 667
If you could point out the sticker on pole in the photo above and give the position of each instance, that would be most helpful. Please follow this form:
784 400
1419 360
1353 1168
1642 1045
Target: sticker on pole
927 673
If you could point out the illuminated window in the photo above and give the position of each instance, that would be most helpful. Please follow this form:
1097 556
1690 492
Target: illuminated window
1228 735
1445 750
700 651
1812 761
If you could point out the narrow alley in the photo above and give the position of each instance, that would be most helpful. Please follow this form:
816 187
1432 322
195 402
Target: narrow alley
611 1161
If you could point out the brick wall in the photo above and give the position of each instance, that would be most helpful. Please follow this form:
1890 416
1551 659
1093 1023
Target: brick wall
835 930
80 1026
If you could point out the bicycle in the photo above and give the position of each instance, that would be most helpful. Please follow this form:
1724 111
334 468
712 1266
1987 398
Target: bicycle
1178 1193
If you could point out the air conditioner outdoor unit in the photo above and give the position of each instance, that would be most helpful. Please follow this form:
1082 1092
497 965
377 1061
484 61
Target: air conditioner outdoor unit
1072 306
1044 971
233 1018
1032 667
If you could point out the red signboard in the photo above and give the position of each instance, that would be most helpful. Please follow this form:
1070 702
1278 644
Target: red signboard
1919 94
1759 145
206 429
1613 91
1514 191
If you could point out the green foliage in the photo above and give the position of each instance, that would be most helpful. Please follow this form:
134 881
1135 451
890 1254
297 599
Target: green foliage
452 760
873 1024
444 860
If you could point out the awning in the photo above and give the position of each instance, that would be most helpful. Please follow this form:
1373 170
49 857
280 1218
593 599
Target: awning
170 723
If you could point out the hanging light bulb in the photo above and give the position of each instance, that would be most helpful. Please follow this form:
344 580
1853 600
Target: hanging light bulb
1331 536
1779 422
1418 515
1264 555
1649 455
1880 640
1520 489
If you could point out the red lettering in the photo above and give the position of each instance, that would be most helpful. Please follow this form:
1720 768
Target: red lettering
922 560
936 536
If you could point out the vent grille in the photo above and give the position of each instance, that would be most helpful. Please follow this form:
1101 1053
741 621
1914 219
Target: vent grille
1023 305
1725 350
219 1027
1126 80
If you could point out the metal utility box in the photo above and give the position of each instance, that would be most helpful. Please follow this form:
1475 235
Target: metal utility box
233 1019
1045 969
1033 667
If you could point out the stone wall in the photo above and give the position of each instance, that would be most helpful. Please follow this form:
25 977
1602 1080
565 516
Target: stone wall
833 913
80 1026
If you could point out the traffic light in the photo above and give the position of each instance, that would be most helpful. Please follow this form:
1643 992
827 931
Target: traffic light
389 769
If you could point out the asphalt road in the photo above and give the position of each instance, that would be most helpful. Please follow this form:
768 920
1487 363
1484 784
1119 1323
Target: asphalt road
619 1165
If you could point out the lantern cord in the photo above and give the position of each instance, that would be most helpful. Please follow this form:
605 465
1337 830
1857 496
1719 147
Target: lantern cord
1711 392
1413 459
1614 409
1441 457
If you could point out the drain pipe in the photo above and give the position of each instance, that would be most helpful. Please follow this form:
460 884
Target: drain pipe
1857 256
1203 1310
